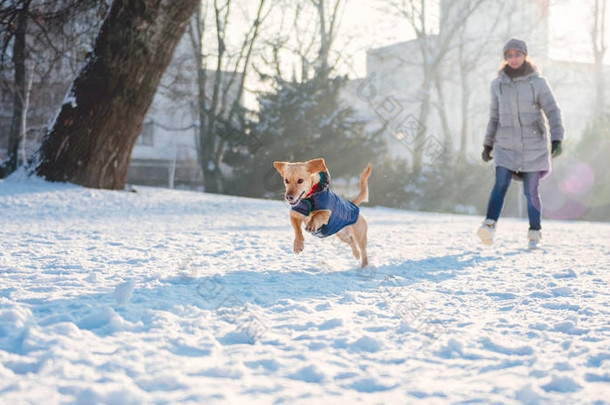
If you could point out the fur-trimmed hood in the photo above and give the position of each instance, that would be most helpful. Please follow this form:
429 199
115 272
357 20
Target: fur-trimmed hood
526 70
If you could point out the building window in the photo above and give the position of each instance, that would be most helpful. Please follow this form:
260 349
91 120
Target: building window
146 137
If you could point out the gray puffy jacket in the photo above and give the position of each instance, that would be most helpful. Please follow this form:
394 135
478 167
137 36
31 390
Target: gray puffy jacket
517 130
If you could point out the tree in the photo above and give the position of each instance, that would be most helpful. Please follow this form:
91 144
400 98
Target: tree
301 121
304 40
43 36
221 87
470 52
91 140
598 40
302 116
433 50
20 93
328 22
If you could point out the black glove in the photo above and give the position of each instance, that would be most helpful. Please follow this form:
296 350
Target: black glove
556 148
486 155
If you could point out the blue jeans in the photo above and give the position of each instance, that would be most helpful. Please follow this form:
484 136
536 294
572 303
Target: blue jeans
531 182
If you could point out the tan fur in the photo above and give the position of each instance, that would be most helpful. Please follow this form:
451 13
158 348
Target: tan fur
363 196
299 179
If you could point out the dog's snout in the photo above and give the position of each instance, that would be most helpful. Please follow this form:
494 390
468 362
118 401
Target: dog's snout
289 197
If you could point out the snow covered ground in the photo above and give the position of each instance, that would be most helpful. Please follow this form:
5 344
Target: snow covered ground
165 296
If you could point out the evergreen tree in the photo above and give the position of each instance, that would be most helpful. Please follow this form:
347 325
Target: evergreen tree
297 122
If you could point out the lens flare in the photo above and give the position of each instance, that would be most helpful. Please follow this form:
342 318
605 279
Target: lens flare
568 192
581 180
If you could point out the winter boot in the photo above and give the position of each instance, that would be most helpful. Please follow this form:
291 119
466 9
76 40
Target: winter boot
534 237
486 231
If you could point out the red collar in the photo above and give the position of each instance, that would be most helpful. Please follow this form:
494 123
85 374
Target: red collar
316 186
313 190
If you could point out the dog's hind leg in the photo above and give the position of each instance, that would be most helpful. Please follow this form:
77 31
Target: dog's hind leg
346 237
359 230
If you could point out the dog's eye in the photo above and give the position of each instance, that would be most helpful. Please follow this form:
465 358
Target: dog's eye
300 181
286 181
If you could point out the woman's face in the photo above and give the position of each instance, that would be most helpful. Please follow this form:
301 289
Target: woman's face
514 58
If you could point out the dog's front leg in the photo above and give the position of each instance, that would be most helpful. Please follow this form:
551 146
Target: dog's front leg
296 220
318 218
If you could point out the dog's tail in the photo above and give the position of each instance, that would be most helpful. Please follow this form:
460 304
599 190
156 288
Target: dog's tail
363 196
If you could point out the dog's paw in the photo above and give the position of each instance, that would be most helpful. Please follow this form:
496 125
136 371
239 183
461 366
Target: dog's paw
299 245
311 227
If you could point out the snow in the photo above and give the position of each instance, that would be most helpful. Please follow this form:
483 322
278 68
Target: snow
166 296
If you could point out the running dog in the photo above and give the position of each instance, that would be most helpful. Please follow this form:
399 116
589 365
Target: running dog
322 211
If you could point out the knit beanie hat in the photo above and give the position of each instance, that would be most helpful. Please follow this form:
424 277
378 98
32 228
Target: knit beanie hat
517 44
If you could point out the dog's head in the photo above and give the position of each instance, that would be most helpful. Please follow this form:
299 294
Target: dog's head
300 177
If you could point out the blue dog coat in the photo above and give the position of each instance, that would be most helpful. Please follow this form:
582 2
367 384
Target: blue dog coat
343 212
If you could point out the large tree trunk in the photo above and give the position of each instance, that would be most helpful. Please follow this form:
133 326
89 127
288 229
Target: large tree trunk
17 131
91 140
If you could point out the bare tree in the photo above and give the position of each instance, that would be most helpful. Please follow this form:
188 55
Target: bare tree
44 37
91 140
598 37
470 53
304 40
328 23
20 92
433 50
222 68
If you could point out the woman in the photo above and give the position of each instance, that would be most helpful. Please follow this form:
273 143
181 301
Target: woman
518 136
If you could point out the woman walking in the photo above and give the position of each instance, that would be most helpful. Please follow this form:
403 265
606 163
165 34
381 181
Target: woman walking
518 136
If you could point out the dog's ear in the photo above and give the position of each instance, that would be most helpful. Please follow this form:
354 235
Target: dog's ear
316 165
279 166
